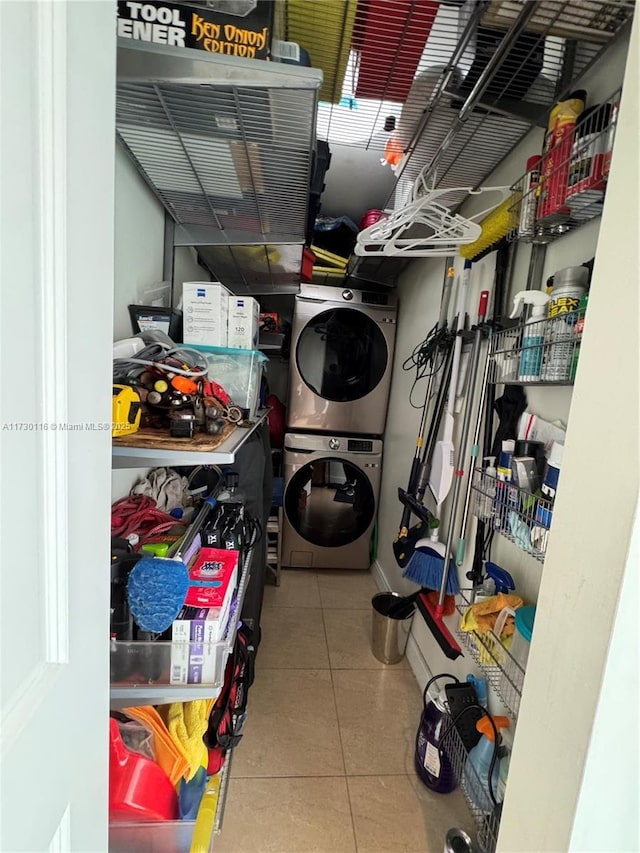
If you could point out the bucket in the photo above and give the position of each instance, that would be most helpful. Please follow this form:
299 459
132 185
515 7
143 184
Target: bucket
391 623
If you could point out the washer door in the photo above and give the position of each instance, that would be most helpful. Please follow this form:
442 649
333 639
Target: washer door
341 355
329 502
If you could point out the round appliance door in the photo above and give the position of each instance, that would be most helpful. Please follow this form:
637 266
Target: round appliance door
329 502
341 355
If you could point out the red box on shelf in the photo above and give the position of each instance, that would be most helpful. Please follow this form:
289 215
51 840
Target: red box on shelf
212 578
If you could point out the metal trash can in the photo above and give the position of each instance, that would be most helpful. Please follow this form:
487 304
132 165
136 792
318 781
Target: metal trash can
391 623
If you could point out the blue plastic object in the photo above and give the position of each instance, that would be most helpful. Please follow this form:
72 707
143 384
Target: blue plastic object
501 577
480 686
156 591
525 617
190 794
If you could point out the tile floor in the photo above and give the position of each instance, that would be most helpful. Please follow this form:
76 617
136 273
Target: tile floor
326 761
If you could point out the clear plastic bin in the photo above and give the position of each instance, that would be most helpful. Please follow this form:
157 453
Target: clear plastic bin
239 371
175 836
138 662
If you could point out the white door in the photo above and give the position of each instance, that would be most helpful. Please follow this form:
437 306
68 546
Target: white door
57 67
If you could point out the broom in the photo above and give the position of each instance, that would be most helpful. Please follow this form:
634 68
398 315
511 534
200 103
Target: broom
433 615
427 563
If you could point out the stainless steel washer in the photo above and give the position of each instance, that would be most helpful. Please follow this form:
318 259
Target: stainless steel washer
342 346
331 488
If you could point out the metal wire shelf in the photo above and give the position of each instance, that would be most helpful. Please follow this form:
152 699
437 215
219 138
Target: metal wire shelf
545 352
502 671
514 513
567 187
486 817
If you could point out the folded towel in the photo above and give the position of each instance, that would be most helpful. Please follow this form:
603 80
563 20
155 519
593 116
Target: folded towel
169 754
187 723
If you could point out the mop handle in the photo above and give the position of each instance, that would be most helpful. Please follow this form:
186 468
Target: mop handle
466 424
475 450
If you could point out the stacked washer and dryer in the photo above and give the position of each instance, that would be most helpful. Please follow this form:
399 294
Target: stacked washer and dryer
341 359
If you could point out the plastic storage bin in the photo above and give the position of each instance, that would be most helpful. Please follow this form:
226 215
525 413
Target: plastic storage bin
239 371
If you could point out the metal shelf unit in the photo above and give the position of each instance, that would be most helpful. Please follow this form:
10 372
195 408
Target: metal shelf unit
142 693
146 457
545 352
502 671
226 144
514 513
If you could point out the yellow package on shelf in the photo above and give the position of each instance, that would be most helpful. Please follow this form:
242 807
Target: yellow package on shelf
323 28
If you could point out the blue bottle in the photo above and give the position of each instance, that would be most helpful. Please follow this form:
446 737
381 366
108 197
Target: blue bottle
476 772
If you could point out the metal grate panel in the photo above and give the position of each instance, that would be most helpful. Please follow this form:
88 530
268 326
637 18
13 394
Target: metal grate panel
419 62
232 158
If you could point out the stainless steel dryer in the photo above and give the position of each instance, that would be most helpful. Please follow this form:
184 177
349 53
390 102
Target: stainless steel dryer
331 487
342 345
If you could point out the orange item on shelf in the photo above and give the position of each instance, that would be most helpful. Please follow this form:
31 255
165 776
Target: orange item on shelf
184 384
170 754
393 151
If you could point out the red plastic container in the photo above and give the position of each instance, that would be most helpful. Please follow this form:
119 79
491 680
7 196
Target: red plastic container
139 789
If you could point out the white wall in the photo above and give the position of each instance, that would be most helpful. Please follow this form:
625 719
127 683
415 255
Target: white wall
545 825
607 811
139 222
139 242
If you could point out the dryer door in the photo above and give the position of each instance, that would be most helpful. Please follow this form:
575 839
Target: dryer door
330 502
341 355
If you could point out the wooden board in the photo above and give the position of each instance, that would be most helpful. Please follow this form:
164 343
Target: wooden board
155 439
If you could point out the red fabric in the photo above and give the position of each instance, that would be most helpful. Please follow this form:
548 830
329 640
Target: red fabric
276 420
139 514
387 69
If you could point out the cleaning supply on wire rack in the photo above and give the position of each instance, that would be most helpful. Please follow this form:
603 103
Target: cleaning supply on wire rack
533 333
586 182
432 763
582 310
552 207
569 286
529 202
482 770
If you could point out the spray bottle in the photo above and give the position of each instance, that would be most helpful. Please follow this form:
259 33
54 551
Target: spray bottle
533 334
476 782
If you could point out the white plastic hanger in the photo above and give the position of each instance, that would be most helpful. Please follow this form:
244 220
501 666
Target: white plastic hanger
447 231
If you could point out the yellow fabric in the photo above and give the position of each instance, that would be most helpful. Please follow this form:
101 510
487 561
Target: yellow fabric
169 754
481 618
187 723
324 28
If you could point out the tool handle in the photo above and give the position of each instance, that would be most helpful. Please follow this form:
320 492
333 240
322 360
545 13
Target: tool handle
482 307
446 292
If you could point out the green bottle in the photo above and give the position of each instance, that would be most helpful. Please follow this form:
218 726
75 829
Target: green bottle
582 308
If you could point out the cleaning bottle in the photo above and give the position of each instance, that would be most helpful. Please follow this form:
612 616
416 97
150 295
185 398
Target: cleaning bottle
431 761
488 488
533 334
475 779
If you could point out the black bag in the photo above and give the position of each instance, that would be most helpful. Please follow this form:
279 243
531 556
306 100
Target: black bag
227 717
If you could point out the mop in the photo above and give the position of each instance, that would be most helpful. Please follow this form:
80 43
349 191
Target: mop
425 566
404 543
433 615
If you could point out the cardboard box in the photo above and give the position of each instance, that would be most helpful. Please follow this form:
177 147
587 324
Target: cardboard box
242 328
205 309
180 637
244 29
